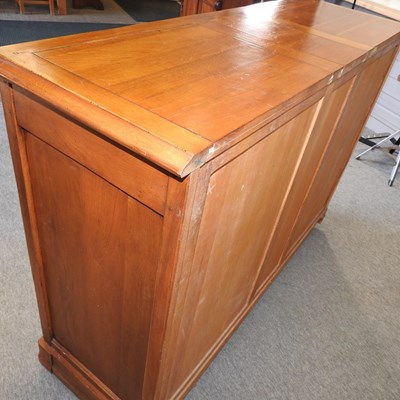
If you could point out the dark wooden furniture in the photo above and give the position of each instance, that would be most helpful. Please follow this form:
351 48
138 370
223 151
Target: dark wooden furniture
189 7
62 7
167 172
96 4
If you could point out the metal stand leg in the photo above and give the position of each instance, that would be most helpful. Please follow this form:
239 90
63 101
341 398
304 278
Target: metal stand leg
378 144
394 170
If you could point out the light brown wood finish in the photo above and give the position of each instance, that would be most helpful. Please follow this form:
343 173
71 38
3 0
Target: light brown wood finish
352 119
318 141
100 281
227 254
180 135
141 181
167 171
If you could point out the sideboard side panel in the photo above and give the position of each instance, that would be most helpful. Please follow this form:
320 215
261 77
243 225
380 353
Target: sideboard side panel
100 250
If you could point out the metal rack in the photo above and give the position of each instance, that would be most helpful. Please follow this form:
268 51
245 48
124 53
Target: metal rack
389 150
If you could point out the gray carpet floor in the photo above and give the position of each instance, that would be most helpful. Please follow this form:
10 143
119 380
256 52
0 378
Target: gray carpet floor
328 328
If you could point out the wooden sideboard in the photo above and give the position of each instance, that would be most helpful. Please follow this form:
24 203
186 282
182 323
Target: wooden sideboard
167 171
189 7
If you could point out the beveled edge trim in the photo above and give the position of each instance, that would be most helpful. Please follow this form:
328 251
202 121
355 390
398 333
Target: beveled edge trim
130 173
172 154
72 372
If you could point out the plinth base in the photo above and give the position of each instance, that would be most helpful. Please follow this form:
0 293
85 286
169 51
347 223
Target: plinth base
72 373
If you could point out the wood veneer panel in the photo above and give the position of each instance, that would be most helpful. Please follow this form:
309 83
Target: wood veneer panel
342 142
319 139
100 250
243 202
273 31
226 98
192 70
145 54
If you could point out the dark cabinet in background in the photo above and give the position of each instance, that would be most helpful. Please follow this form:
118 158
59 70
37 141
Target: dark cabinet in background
190 7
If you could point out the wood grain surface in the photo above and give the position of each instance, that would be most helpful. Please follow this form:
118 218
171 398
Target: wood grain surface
180 91
167 172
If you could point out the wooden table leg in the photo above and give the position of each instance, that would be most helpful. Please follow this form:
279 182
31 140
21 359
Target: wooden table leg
62 7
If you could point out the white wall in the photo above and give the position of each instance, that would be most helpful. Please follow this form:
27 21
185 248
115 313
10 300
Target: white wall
385 116
390 8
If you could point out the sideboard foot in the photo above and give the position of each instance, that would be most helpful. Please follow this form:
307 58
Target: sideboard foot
72 373
45 357
322 216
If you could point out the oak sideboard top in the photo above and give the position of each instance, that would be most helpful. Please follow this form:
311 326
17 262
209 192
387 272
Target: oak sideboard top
179 92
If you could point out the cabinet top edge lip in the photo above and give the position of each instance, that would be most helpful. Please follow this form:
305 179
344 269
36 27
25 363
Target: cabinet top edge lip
173 146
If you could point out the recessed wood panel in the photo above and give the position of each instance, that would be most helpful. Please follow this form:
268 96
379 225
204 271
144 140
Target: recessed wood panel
243 202
342 142
100 254
200 103
133 56
325 123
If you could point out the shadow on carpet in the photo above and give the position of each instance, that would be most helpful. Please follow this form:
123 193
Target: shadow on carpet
12 32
